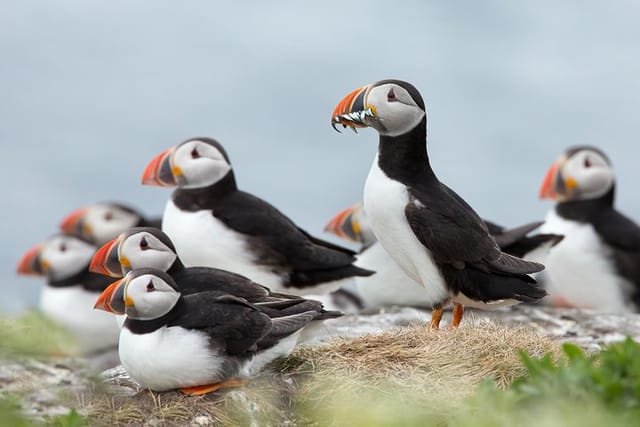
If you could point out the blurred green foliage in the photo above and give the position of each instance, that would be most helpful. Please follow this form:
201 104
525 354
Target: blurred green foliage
33 335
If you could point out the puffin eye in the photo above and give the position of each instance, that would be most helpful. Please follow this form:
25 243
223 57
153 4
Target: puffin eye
391 96
63 247
108 216
144 245
194 153
587 162
150 286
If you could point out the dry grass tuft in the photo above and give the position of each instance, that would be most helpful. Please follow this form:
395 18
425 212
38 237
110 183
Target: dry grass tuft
369 377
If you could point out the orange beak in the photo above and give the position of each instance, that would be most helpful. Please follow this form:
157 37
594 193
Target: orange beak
112 298
73 223
159 172
344 225
30 263
106 260
352 111
554 186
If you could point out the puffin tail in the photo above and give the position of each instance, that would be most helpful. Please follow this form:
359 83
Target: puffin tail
487 287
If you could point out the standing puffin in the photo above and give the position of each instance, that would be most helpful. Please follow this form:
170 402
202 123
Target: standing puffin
197 343
101 222
214 224
390 285
597 265
147 247
430 231
71 290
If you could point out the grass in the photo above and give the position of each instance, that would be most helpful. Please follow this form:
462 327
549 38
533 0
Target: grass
33 335
482 374
412 369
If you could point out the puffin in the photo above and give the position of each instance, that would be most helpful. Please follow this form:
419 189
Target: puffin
71 290
148 247
597 265
212 223
390 285
197 343
428 230
100 222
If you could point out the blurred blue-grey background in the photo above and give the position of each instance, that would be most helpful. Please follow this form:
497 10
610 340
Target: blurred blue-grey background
91 91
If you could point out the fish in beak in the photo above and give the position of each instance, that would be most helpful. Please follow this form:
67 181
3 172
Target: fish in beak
353 110
32 263
555 185
107 261
159 171
345 225
112 299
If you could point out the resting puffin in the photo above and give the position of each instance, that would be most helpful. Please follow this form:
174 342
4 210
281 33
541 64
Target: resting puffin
430 231
597 265
101 222
214 224
390 285
199 342
70 291
147 247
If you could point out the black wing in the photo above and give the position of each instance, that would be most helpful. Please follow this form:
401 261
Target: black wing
456 235
622 235
277 239
226 319
202 279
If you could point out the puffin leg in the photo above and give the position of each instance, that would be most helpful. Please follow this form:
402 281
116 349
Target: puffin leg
436 317
199 390
458 312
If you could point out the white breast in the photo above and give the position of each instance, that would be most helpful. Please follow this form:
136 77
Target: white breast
169 358
72 308
579 270
384 204
203 240
390 285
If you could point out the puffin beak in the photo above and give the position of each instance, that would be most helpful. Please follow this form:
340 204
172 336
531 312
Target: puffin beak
353 110
74 223
106 261
555 186
344 225
112 298
159 171
31 262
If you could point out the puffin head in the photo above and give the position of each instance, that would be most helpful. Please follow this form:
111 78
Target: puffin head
57 258
392 107
100 222
351 224
194 163
580 173
138 247
147 294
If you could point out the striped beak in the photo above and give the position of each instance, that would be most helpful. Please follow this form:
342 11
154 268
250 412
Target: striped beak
345 225
353 110
75 224
159 171
555 186
31 262
106 259
112 299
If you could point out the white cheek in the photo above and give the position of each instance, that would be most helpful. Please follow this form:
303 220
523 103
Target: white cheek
400 119
201 174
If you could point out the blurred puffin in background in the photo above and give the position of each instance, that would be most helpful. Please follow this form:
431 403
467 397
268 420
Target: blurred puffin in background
597 264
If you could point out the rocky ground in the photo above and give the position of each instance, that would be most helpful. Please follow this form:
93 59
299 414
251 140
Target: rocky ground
51 388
